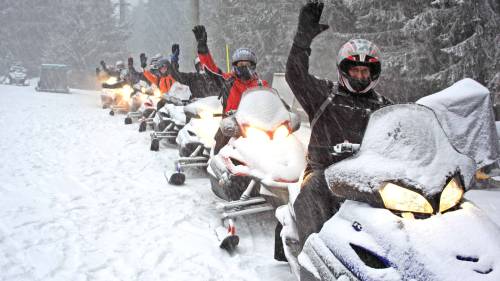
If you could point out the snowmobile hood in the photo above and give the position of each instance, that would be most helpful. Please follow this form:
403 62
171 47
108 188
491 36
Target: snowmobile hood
262 108
272 161
465 113
458 245
403 143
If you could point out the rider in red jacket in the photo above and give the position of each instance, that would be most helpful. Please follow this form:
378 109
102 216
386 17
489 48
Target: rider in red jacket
242 77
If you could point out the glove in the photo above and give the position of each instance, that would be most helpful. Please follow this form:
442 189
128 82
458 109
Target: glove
309 26
130 62
201 37
176 50
103 64
174 58
144 60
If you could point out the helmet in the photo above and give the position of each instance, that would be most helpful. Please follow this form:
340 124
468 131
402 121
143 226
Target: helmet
155 59
124 74
119 65
358 52
244 54
162 63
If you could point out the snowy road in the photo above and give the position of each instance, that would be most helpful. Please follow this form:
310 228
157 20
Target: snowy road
83 198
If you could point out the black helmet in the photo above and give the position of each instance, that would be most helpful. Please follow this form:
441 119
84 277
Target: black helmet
358 52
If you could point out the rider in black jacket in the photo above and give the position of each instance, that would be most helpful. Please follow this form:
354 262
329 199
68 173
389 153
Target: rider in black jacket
338 112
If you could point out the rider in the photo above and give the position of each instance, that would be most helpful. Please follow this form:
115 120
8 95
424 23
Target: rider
338 112
112 72
199 84
128 76
242 77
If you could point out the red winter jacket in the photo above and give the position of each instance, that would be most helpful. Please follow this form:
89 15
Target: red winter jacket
237 87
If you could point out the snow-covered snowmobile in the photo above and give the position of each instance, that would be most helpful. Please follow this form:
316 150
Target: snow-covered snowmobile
108 95
405 217
252 172
143 104
196 138
17 76
169 119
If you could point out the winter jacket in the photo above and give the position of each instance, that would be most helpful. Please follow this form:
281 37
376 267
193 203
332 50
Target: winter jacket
163 82
233 87
201 85
344 119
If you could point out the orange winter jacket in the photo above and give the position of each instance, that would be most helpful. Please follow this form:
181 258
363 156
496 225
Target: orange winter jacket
163 82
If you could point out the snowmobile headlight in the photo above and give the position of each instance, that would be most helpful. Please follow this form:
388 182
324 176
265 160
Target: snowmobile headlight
402 199
281 133
451 195
256 134
127 90
157 93
111 80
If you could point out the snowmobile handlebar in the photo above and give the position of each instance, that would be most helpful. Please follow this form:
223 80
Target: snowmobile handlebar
344 148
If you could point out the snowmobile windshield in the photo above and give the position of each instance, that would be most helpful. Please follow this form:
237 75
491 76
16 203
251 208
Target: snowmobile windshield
464 111
404 144
263 109
180 91
204 108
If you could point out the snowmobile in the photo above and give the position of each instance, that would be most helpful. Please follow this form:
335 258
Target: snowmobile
405 217
107 94
196 138
169 119
252 172
123 99
17 76
143 104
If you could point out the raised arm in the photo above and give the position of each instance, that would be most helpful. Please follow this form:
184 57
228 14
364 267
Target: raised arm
204 54
309 90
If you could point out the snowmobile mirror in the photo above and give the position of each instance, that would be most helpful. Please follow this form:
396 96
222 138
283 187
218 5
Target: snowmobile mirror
230 127
294 121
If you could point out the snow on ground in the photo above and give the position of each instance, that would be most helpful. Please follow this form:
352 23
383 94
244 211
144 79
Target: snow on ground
83 198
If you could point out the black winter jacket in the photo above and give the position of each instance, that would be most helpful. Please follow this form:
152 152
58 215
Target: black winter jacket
201 85
344 119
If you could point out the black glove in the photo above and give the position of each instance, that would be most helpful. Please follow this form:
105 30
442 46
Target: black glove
144 60
103 64
309 26
176 50
174 58
201 37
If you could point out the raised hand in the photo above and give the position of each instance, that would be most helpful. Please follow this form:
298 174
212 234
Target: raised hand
201 37
143 59
309 26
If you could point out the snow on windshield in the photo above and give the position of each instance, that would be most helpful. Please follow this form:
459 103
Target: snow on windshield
406 143
465 111
262 108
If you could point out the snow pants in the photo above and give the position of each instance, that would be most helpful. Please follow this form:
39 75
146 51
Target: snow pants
314 205
220 141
